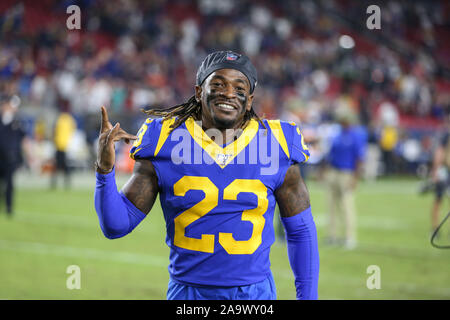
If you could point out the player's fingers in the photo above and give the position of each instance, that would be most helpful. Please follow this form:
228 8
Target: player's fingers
124 136
128 135
113 132
105 124
103 137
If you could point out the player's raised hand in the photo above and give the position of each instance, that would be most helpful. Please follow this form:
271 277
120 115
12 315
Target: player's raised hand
109 134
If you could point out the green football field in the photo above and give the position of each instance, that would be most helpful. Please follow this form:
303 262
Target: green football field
54 229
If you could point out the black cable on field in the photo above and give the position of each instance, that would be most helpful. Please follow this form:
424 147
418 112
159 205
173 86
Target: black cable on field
433 236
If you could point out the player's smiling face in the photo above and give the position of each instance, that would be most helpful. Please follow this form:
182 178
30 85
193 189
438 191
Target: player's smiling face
225 97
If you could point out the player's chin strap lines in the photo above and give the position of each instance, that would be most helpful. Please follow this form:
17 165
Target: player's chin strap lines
436 232
194 109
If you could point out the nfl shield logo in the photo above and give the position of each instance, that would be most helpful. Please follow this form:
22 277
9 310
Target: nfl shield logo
223 158
232 56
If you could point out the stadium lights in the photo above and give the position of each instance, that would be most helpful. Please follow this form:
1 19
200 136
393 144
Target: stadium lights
346 42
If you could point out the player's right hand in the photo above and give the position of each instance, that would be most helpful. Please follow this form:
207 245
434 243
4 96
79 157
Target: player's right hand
109 134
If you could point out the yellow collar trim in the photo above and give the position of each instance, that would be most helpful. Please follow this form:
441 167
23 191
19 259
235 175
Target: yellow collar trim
222 156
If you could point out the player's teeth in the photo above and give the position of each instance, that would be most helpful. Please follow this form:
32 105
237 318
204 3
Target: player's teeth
225 106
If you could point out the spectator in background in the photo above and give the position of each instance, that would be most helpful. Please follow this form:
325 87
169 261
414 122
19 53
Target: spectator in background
388 142
11 137
64 129
345 160
440 175
388 117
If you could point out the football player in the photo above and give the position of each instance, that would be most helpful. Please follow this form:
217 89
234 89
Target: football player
219 171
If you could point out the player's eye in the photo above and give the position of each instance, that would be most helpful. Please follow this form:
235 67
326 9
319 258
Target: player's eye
240 91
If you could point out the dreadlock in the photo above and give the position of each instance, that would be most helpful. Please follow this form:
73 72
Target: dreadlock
192 108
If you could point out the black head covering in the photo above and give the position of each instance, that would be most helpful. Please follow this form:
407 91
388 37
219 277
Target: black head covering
227 60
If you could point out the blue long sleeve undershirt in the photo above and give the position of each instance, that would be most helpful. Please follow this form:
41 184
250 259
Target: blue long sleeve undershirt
303 253
116 214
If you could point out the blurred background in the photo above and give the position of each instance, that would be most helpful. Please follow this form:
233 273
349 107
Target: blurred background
313 58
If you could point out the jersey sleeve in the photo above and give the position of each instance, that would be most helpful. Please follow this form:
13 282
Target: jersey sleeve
299 150
144 146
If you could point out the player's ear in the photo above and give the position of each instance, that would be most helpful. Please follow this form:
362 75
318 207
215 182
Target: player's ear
198 93
248 107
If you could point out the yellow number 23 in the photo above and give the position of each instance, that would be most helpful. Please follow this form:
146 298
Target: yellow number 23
209 202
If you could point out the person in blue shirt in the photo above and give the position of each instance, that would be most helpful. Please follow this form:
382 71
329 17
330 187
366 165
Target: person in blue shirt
345 160
219 171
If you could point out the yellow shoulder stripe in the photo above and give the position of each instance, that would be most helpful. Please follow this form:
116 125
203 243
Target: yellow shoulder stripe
275 126
164 134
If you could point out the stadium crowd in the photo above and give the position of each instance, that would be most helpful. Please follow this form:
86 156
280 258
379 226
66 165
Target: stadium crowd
313 58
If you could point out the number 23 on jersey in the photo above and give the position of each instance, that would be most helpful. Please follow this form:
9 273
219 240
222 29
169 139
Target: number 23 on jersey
208 203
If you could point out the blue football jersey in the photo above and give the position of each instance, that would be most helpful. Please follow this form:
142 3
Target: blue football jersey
218 201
